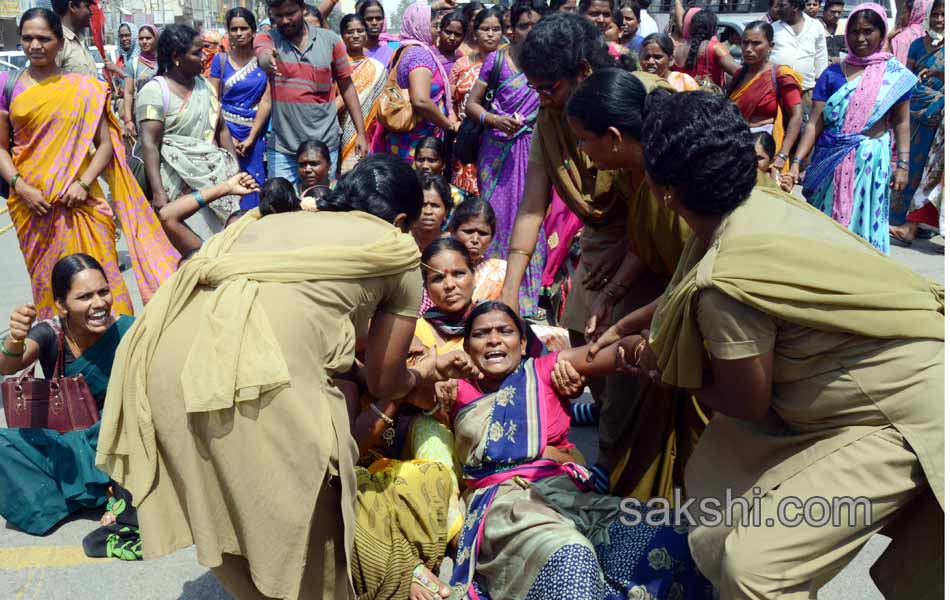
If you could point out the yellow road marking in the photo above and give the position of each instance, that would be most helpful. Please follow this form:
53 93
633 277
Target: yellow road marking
42 557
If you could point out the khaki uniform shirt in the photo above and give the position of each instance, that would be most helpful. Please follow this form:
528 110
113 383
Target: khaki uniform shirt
75 56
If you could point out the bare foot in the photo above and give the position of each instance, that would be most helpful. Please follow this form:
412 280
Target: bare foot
426 586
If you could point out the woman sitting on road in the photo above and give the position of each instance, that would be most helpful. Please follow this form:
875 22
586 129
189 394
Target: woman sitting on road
45 476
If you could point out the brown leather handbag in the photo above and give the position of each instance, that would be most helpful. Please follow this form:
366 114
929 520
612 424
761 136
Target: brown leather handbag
59 403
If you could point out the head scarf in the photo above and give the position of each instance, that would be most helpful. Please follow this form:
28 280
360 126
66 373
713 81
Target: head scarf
936 37
417 24
687 19
860 108
416 30
129 55
919 13
210 37
150 56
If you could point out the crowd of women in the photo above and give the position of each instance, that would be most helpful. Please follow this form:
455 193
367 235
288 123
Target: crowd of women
333 385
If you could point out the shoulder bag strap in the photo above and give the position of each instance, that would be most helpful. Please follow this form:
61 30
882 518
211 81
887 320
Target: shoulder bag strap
60 332
166 98
493 80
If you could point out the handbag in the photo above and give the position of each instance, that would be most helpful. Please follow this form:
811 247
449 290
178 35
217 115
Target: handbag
395 107
705 81
467 138
59 403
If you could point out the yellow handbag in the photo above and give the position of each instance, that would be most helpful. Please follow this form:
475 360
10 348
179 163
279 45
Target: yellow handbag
395 108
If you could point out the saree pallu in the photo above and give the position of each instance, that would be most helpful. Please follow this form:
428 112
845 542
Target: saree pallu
502 168
51 148
45 476
532 528
871 194
190 159
369 77
241 92
461 80
757 92
926 114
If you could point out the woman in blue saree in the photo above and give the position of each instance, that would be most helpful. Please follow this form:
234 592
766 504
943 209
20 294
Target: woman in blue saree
45 476
245 97
533 529
859 100
505 143
925 58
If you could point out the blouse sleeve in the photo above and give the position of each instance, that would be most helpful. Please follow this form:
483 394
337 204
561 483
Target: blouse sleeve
789 90
731 329
149 105
48 342
413 58
404 294
825 87
916 50
216 67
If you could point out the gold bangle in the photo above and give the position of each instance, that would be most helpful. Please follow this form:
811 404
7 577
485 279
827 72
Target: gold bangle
522 252
83 185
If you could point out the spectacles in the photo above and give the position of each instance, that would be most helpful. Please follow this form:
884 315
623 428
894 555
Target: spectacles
547 89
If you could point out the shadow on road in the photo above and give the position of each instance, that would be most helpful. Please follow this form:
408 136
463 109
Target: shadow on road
205 587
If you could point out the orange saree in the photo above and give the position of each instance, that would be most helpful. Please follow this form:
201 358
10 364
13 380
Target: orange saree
52 147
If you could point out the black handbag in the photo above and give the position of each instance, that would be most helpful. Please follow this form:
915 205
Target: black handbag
467 137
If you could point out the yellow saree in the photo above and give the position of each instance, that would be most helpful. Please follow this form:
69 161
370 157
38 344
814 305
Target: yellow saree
51 149
369 77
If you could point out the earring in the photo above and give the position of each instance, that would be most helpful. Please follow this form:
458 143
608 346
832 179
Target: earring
666 198
616 150
177 64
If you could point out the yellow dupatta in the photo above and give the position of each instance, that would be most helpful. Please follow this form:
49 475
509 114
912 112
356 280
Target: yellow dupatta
234 328
773 254
592 194
52 147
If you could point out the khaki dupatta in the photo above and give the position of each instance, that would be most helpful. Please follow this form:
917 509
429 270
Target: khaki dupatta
233 328
590 193
783 257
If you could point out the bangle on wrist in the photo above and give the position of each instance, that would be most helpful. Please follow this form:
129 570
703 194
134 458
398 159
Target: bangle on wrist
3 348
83 185
482 118
521 252
199 199
798 160
781 155
13 181
435 408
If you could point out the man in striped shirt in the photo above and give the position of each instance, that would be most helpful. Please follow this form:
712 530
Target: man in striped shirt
304 63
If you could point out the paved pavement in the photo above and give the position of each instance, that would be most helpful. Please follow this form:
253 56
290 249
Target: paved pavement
54 566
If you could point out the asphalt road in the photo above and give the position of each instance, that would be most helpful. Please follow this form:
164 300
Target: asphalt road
54 566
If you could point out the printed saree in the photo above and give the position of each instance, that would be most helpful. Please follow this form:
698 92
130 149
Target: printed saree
190 159
868 216
51 148
45 475
531 525
760 90
369 77
926 113
462 79
502 168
